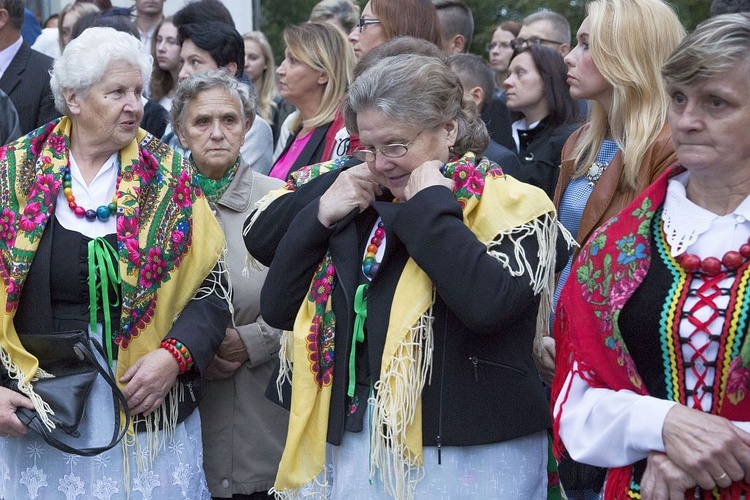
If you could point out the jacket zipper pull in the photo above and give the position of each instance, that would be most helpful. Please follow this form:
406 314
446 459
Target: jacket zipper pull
439 442
190 389
474 362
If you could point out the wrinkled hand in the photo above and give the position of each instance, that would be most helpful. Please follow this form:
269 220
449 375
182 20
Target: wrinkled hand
232 348
354 188
663 480
712 450
426 175
149 380
544 359
10 401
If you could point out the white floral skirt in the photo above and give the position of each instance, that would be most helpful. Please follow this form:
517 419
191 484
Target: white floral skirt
31 469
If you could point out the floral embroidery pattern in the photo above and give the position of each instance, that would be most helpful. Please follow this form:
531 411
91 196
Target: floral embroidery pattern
320 341
609 272
469 177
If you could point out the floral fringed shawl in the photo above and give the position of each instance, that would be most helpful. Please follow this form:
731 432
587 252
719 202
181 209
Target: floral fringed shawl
162 263
496 208
609 269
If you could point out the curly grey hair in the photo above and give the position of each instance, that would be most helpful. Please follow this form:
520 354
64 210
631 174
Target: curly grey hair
190 87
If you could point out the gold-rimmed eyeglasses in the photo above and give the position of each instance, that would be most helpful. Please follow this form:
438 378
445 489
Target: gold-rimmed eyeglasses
389 150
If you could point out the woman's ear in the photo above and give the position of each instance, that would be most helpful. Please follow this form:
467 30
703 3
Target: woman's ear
451 130
322 78
73 101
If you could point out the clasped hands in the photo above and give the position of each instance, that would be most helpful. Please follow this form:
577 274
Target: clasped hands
358 186
701 450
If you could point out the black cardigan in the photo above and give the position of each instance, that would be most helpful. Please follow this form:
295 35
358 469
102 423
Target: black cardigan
484 386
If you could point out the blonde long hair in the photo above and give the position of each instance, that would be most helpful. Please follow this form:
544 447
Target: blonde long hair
267 91
324 48
629 53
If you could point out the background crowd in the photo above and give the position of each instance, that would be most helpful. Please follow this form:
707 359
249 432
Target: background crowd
381 266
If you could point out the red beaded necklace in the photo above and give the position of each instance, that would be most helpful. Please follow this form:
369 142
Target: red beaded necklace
711 266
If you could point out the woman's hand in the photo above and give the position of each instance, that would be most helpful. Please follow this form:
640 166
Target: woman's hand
10 401
545 359
663 480
709 448
149 380
229 358
354 188
426 175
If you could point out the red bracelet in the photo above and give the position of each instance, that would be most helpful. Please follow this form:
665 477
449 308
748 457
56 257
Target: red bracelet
180 353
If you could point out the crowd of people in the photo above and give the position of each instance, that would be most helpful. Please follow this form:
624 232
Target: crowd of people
386 267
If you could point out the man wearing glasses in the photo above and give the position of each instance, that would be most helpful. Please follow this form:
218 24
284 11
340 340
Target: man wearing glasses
546 28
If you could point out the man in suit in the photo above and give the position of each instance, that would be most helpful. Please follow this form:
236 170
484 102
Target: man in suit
24 73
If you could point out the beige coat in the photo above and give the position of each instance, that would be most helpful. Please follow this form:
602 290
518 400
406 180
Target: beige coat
243 432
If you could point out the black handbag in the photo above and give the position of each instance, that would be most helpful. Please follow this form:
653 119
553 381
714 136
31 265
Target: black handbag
70 357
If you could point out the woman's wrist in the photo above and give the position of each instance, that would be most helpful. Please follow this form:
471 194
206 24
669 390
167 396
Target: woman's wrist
180 352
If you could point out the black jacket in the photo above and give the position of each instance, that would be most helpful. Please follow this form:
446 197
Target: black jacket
539 152
26 81
484 386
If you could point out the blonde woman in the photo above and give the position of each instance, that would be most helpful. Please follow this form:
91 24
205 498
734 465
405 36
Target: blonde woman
313 77
625 143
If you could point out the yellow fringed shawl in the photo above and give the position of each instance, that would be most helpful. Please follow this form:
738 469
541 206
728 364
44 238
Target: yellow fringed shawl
168 240
495 208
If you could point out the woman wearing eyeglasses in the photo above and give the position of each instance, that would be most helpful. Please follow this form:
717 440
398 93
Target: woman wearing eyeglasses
313 77
412 348
383 20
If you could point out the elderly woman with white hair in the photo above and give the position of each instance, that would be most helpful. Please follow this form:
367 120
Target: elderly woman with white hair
98 224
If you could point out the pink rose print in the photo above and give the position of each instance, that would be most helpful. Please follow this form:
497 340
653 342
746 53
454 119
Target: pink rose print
155 268
32 217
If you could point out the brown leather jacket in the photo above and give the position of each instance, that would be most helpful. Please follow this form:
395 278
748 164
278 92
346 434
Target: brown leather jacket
608 197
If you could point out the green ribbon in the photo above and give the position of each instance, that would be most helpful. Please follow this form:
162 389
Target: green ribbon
104 265
360 309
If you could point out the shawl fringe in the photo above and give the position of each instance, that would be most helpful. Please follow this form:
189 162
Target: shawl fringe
397 400
42 408
286 351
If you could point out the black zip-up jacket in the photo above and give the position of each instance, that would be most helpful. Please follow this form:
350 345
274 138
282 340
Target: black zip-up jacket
484 386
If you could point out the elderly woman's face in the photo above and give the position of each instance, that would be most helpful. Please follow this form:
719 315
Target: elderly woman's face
377 131
109 113
710 120
213 130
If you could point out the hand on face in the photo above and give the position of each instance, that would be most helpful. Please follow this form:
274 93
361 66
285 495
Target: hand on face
426 175
354 189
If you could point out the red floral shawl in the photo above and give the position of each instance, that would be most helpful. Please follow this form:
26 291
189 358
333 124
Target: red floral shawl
609 269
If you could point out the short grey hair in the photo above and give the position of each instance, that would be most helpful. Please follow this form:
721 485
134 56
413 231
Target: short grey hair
558 22
417 90
86 60
345 12
716 46
189 88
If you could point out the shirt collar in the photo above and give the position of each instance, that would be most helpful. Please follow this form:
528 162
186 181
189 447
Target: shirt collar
7 55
